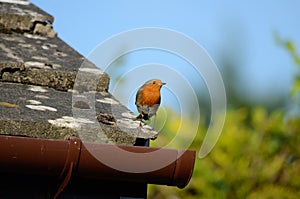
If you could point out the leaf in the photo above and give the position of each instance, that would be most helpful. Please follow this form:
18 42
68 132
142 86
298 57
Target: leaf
297 60
296 87
290 46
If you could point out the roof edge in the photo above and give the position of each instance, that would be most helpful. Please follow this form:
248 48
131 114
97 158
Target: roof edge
65 158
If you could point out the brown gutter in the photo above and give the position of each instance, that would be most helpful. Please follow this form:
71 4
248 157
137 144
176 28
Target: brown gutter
65 158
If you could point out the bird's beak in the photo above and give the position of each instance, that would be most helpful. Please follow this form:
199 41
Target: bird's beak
163 84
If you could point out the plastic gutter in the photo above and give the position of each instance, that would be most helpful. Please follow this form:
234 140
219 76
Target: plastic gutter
67 158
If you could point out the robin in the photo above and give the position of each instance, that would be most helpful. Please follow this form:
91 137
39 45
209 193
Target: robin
148 99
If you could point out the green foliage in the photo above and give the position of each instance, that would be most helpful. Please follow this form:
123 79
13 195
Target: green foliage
257 156
296 86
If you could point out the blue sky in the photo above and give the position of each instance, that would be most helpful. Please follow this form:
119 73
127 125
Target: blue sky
242 30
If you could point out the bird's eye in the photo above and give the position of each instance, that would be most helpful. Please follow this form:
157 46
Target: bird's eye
153 82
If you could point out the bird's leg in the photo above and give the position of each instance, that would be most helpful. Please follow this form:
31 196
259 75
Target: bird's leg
154 122
141 119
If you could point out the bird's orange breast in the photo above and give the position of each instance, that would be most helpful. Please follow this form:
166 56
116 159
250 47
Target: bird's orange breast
150 95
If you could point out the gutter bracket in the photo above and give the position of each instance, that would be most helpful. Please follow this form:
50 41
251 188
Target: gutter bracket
71 164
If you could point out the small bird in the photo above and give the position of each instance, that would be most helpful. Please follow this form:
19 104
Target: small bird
148 99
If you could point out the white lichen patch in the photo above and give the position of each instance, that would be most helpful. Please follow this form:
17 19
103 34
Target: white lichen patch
128 123
103 93
79 96
47 46
41 96
41 108
107 100
37 89
10 53
146 128
55 66
36 105
74 91
31 36
61 54
34 102
33 64
70 122
25 45
40 58
95 71
141 130
15 2
10 38
128 115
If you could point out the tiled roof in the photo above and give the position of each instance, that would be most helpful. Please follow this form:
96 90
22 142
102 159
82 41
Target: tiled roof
48 90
